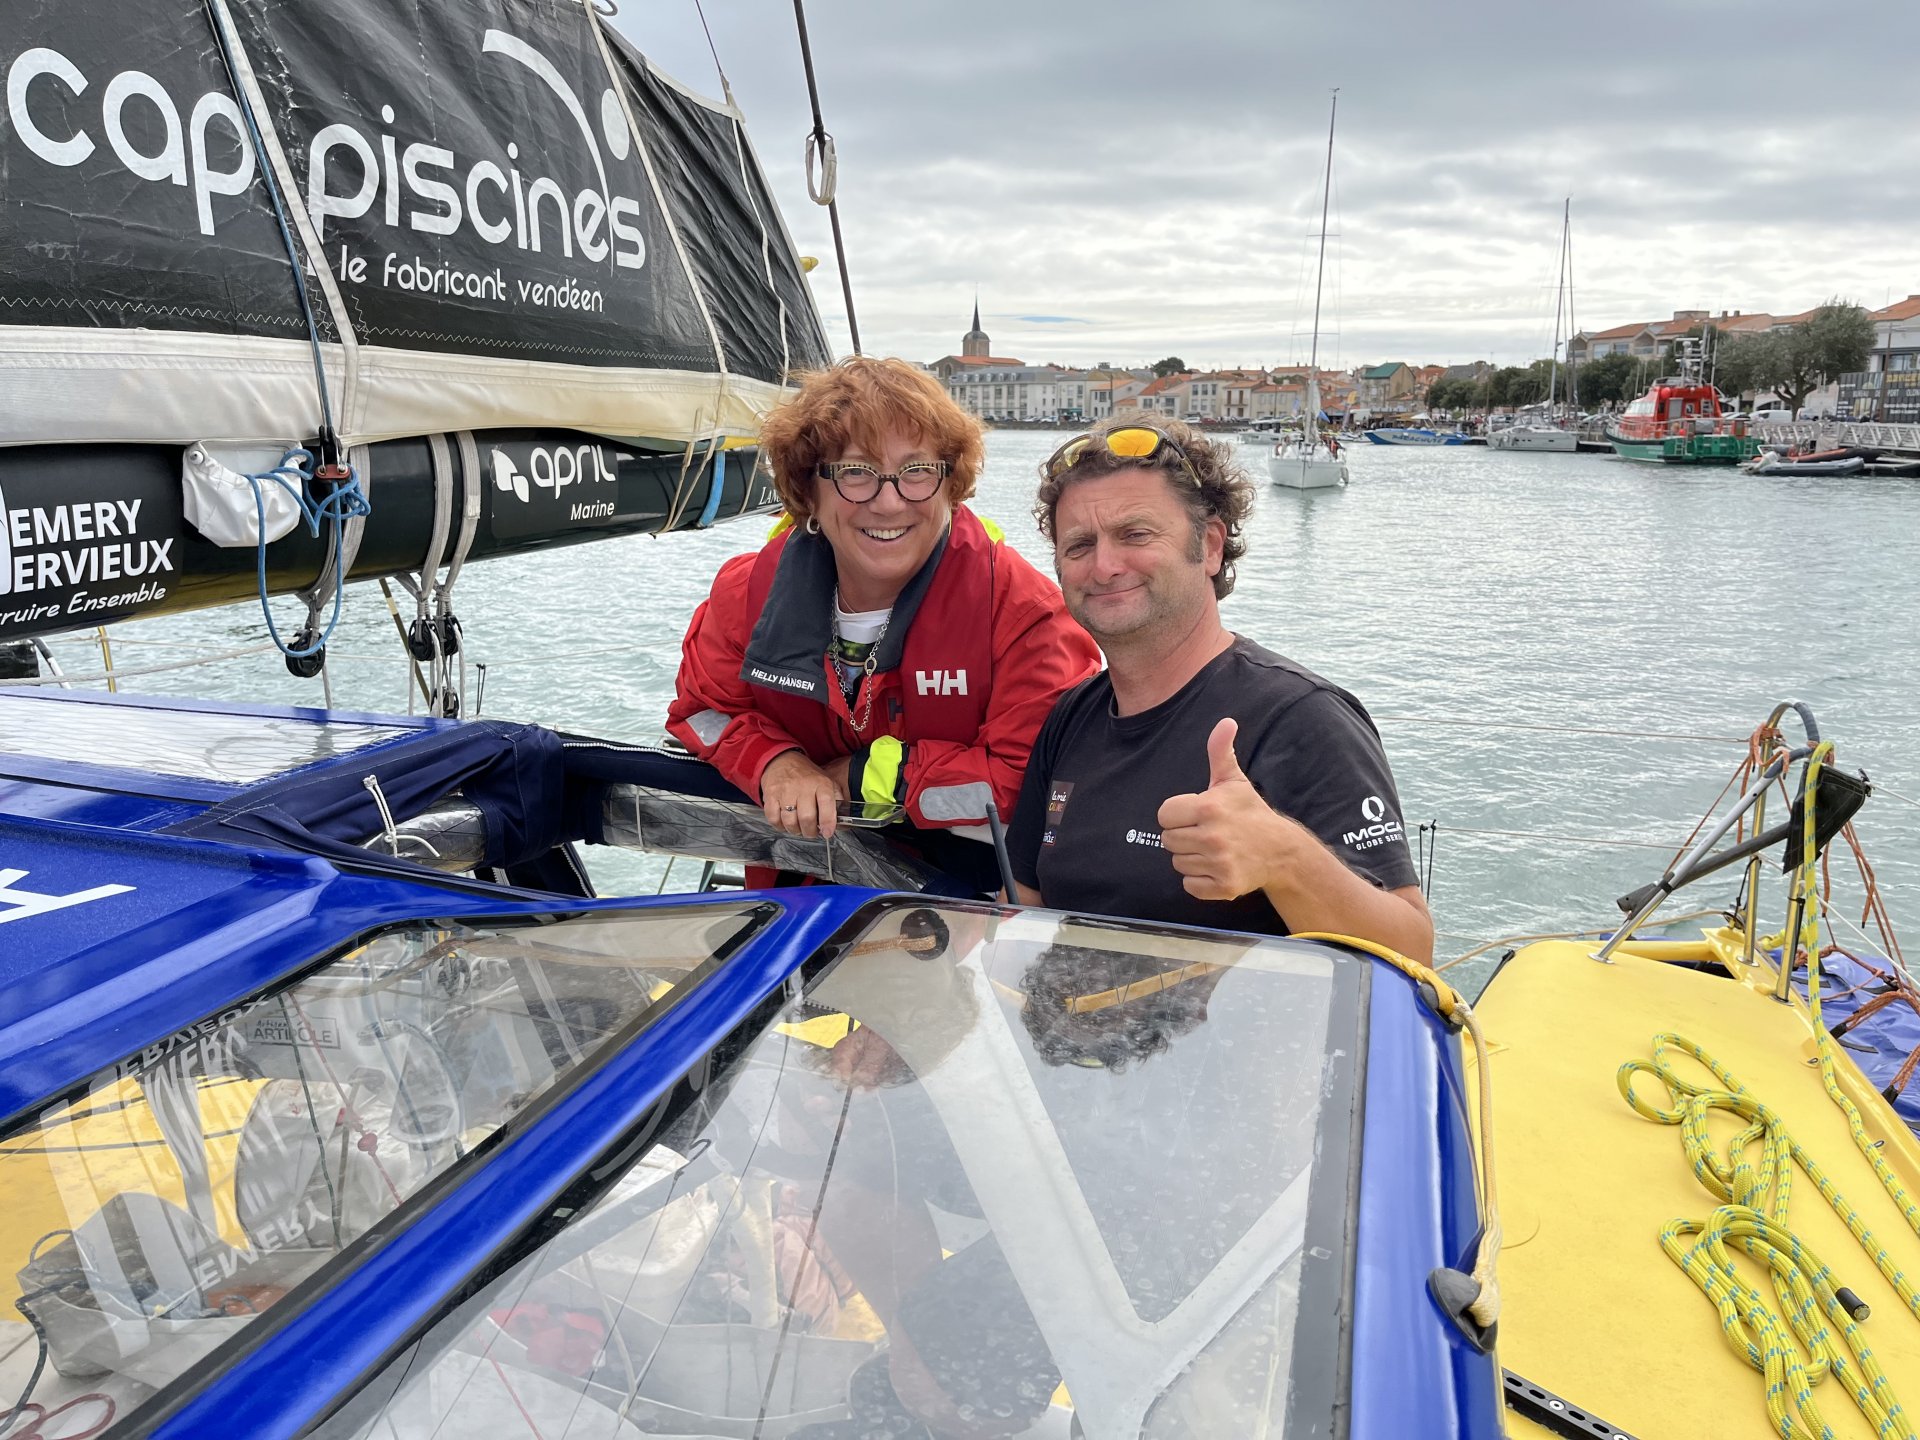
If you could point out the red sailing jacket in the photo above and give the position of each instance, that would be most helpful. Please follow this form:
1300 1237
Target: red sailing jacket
978 648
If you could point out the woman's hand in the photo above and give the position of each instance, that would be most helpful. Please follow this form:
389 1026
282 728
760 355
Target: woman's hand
799 797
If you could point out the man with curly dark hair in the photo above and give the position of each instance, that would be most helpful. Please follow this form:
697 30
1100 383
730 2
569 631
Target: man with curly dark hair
1201 779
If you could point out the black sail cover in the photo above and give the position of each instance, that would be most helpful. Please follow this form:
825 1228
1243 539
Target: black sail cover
505 217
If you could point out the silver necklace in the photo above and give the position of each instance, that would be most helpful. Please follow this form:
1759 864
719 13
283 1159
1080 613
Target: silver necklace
849 687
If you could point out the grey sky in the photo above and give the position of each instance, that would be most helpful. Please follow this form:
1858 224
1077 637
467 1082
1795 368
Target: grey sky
1126 180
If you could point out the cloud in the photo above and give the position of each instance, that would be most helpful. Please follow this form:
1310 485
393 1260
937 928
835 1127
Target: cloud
1121 182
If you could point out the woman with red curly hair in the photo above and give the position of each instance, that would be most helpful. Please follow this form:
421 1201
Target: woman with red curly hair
884 647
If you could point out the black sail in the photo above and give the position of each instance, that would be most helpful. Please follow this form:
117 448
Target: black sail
514 234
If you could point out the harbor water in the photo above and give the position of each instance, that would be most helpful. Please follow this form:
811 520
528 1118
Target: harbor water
1564 654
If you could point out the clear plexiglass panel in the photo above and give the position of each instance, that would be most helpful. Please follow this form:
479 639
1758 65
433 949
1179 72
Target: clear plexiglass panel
993 1175
147 1222
197 745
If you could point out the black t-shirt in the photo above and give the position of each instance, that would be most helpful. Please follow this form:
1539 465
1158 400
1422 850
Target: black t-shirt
1086 833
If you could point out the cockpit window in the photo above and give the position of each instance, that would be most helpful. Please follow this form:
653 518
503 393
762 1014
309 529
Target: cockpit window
988 1172
187 1190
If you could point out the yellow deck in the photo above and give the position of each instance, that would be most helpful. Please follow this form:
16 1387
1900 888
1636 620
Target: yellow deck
1593 1308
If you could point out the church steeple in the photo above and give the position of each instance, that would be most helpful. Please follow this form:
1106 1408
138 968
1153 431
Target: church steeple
975 344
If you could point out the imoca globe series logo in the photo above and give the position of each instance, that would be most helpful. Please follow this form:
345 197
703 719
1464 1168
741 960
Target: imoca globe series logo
1380 828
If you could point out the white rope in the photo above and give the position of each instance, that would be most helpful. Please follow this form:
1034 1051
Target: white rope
820 151
123 672
1833 914
1561 839
1882 789
122 641
1560 729
1598 932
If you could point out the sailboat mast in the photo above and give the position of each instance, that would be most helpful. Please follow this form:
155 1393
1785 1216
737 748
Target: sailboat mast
1559 303
1320 274
1573 327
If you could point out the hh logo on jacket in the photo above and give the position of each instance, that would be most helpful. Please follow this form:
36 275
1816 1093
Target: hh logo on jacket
941 682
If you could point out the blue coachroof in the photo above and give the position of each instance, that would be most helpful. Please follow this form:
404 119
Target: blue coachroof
140 907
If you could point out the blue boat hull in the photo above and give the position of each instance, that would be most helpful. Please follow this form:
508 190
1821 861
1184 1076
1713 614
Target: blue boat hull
1415 437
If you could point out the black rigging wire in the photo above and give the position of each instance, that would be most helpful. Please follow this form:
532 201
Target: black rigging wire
229 44
701 11
823 143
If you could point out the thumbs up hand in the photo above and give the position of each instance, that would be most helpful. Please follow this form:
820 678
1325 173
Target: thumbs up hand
1226 841
1223 766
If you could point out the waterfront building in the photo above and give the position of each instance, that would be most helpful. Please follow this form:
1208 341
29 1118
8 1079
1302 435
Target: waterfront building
1164 395
1220 394
1070 389
1889 388
1109 390
1008 390
1339 393
1278 394
994 387
1650 339
1640 338
1387 387
976 355
1284 401
1248 396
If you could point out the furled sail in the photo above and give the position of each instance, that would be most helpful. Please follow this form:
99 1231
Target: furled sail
506 217
490 225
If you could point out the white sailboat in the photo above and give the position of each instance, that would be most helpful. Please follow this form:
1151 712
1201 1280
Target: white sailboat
1540 433
1309 460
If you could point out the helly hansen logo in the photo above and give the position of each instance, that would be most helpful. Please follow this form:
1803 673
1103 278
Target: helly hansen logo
941 682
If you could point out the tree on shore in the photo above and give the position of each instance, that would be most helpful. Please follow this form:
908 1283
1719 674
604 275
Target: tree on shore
1513 386
1744 364
1172 365
1610 380
1795 362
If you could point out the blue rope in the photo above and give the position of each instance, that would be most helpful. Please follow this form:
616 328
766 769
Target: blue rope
294 472
345 502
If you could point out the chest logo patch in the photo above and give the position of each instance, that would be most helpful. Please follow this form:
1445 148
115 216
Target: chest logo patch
941 682
1057 795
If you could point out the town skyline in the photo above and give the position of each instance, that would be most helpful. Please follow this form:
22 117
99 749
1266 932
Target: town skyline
1010 388
1643 338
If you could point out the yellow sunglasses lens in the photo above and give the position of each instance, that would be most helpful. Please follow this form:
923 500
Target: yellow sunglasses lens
1068 455
1134 444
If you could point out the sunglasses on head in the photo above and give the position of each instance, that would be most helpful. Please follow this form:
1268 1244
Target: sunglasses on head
1152 985
1135 442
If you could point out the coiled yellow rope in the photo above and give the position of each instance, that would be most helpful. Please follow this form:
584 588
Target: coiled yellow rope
1753 1214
